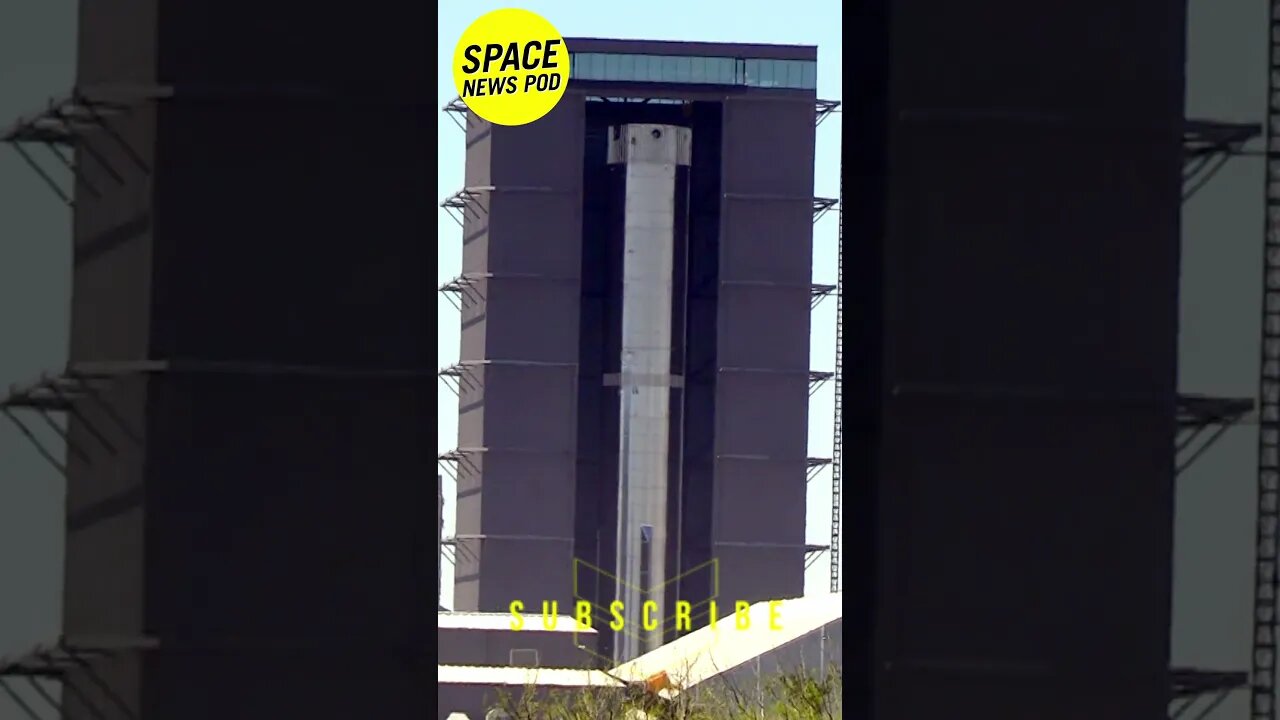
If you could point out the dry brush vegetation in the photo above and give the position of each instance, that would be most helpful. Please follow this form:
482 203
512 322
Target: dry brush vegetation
790 696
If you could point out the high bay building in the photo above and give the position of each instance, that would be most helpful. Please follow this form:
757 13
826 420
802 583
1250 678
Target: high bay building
215 162
635 300
249 372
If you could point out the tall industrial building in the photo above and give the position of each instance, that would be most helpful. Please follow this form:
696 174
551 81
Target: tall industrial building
636 294
249 363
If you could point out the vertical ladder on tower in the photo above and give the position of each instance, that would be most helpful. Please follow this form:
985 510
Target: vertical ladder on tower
837 429
1263 678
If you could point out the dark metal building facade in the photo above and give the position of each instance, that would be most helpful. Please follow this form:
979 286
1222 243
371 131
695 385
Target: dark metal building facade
537 447
1015 178
250 368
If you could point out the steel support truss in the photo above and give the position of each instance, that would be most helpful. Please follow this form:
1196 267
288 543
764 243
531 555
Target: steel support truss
1196 693
449 550
819 292
823 109
462 290
453 550
454 462
70 663
818 378
78 128
812 553
822 206
1208 145
837 407
813 466
466 204
81 392
1202 421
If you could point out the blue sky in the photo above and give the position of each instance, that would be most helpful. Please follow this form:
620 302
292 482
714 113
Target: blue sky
801 23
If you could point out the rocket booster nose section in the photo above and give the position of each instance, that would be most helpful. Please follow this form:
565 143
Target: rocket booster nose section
655 144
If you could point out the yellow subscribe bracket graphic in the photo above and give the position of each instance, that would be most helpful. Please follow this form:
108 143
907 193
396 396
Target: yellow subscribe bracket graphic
588 615
511 67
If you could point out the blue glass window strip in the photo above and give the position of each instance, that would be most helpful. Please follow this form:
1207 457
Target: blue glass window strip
695 70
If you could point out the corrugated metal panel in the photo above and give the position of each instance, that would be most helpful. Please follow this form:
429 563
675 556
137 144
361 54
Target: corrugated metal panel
522 677
502 621
712 651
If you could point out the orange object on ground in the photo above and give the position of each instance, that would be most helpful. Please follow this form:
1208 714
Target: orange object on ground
657 683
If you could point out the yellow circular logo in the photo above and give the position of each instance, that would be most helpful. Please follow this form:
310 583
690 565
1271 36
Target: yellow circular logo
511 67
